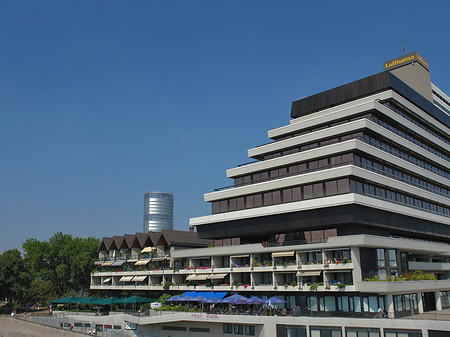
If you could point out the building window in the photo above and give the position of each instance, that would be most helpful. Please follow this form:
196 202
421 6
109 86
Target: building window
380 257
238 329
296 332
250 330
228 328
392 258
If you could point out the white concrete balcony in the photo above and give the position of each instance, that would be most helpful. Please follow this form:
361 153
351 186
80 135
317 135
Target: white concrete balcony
340 265
292 267
265 287
429 266
222 270
222 288
182 288
402 287
263 268
312 266
240 269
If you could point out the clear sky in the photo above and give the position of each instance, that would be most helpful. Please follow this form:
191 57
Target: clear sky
101 101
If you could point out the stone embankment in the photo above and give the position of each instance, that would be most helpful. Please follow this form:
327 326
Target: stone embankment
16 327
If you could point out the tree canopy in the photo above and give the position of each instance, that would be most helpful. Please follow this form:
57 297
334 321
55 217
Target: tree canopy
48 269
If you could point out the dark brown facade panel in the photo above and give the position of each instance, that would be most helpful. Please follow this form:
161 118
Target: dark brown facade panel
362 88
349 219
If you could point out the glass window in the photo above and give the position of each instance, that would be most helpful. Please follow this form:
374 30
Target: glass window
287 195
257 200
380 257
238 329
250 330
392 258
331 187
233 205
315 333
296 193
249 201
240 203
267 199
382 274
313 303
308 192
276 197
343 186
318 190
351 334
228 328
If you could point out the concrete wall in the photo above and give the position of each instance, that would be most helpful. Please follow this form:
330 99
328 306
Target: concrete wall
14 327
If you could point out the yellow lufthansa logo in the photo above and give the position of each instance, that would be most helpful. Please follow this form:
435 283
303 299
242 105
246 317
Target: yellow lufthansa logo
405 59
397 62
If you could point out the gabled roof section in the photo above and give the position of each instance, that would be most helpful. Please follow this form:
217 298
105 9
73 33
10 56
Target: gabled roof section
152 239
104 244
141 237
129 239
154 236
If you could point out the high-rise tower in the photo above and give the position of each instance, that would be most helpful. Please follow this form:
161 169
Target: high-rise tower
158 211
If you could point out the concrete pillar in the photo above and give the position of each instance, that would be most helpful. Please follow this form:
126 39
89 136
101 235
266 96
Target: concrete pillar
390 306
356 260
420 303
437 297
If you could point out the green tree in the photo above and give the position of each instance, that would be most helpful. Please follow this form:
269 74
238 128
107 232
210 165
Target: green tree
14 280
64 261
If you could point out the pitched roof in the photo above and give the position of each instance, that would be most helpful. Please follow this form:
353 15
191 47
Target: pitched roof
141 240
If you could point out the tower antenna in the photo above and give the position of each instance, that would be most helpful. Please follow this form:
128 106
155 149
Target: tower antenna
403 46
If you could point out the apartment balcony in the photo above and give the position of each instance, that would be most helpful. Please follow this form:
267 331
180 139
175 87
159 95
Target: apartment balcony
292 267
221 270
266 268
312 266
403 287
340 265
263 287
222 288
429 266
241 269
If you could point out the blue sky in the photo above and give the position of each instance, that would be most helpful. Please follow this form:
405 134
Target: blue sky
101 101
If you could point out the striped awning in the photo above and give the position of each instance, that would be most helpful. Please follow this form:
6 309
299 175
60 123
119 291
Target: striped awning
106 280
139 278
194 277
148 249
238 256
108 263
283 254
142 262
126 278
309 273
216 276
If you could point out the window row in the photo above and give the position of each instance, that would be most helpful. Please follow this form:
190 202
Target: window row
310 191
402 112
395 151
400 174
295 169
300 331
324 126
239 329
402 132
397 197
313 145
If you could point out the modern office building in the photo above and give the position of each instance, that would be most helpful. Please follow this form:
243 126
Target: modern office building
345 210
158 211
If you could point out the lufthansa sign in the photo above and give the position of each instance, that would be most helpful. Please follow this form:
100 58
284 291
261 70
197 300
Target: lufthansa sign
405 59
